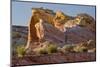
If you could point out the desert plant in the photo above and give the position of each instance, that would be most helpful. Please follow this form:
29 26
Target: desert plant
67 48
79 48
46 49
41 51
20 51
51 48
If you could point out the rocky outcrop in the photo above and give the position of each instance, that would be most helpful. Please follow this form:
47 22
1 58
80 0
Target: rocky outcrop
87 21
80 29
59 28
36 15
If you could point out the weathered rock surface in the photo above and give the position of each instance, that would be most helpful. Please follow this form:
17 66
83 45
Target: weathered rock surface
79 34
37 14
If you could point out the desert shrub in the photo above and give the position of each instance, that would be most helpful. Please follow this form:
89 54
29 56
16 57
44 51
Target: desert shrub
80 48
46 49
51 48
67 48
20 51
41 51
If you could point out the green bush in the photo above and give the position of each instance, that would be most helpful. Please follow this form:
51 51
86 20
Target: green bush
41 51
51 48
47 49
20 51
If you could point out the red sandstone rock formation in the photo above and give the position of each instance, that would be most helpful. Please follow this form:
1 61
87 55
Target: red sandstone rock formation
33 35
79 29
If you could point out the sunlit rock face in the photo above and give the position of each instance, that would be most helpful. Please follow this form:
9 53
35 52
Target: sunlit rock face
32 30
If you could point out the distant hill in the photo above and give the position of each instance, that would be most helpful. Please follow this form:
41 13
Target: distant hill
19 35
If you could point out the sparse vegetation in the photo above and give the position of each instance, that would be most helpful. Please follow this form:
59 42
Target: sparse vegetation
20 51
48 49
51 48
67 48
79 48
41 51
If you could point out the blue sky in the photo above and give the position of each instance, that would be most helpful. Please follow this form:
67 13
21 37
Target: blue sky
21 11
